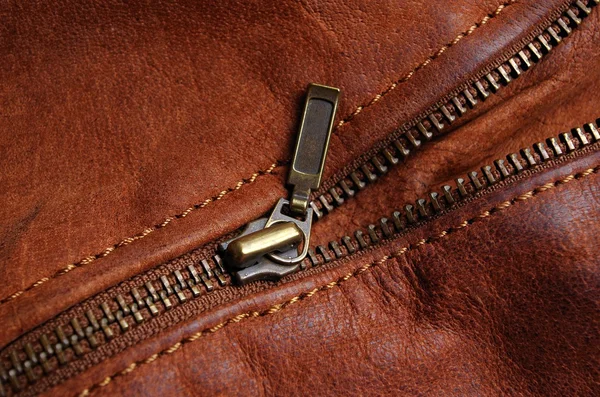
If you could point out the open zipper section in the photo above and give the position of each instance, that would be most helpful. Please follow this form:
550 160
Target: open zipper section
94 330
438 121
102 327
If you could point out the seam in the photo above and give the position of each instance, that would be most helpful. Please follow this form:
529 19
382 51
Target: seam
427 61
336 283
107 251
91 258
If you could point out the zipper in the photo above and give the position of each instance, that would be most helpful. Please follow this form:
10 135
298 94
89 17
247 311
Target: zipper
93 330
437 122
40 359
269 248
432 125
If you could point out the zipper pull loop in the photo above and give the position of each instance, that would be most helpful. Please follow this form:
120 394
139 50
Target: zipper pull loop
278 218
268 248
312 144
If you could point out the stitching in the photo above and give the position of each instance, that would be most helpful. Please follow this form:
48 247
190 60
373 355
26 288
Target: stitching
89 259
305 295
427 61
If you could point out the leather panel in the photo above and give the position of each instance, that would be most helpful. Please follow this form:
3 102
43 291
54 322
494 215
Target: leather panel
504 305
116 117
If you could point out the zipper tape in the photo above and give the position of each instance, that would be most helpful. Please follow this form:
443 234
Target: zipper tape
341 280
33 364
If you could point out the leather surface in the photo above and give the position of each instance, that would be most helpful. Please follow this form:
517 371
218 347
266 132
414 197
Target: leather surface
506 305
353 138
551 98
116 117
120 116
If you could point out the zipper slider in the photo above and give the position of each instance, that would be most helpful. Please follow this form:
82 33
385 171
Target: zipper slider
268 248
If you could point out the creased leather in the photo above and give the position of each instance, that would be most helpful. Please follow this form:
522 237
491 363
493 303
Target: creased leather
128 122
55 285
372 124
506 305
551 98
118 116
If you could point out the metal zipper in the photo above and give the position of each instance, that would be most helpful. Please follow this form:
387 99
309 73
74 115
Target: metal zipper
430 126
41 354
470 186
437 122
269 248
41 358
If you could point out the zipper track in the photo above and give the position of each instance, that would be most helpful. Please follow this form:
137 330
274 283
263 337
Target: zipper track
41 354
437 122
465 189
29 365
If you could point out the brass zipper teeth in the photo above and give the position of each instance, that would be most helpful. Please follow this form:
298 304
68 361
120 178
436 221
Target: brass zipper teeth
435 203
110 319
437 122
113 317
39 354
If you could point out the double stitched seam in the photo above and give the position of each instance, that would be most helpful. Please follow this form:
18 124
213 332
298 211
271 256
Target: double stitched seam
144 233
336 283
267 171
427 61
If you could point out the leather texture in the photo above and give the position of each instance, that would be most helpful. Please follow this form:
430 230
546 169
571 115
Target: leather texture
259 190
135 132
483 311
104 107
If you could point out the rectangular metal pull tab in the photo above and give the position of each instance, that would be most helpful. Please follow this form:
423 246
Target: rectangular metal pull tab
311 146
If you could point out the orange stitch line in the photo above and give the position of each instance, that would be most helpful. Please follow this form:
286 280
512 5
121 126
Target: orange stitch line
144 233
305 295
427 61
168 220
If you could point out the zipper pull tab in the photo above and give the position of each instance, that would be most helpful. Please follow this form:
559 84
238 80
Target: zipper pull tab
268 248
312 144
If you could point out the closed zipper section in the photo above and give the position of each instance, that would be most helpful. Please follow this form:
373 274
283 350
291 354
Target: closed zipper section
127 314
437 122
82 336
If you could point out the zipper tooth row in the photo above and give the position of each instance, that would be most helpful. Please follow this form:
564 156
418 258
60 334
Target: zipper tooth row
439 120
31 361
435 203
97 326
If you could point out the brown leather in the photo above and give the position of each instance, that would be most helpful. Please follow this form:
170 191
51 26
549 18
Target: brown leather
505 305
352 139
114 117
548 100
123 116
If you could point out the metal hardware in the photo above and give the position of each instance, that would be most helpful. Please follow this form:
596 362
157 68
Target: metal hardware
268 248
248 248
304 225
311 146
208 275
